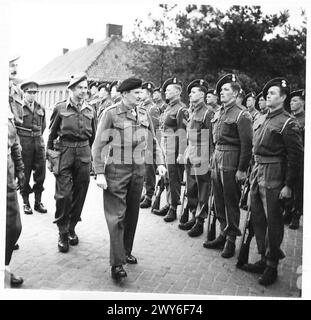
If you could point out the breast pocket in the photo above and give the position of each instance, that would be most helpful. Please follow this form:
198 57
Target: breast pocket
228 127
124 131
39 117
69 122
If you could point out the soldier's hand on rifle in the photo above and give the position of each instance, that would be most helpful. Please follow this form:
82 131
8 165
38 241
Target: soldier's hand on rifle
240 176
101 181
161 170
285 193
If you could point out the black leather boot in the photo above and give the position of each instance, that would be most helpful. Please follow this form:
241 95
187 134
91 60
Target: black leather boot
117 272
294 224
63 242
185 216
269 276
229 249
146 203
73 238
257 267
218 243
40 207
171 215
162 212
197 229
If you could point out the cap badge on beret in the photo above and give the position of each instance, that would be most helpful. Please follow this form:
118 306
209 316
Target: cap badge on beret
149 86
303 93
283 84
174 80
201 82
233 78
215 92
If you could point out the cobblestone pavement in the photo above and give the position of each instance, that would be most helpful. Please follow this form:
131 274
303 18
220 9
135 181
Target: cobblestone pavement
169 261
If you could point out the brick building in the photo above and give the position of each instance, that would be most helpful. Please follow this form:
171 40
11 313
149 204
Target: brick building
105 60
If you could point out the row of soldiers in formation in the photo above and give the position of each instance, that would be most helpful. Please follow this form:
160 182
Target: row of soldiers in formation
215 145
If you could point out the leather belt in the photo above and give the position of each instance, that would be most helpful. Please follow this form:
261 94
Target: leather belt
263 159
73 144
227 147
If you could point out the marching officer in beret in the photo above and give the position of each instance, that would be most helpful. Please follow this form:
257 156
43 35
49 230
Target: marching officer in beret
278 153
115 94
212 99
174 142
72 132
33 149
297 105
118 153
15 170
260 104
158 99
232 135
197 158
150 178
104 98
249 102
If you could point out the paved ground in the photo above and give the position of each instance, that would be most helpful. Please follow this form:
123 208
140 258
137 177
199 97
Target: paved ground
169 261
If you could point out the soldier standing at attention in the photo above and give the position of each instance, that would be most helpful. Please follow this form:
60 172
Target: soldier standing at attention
249 102
212 99
297 105
232 135
104 98
118 153
154 112
278 153
72 132
33 150
158 99
260 104
174 142
115 95
197 157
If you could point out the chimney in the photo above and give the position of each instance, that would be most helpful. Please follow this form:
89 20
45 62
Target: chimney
113 30
89 41
65 50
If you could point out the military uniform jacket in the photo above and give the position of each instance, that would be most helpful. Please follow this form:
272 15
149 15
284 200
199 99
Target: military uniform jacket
232 126
161 106
199 134
174 118
153 111
122 137
102 105
70 124
34 121
15 161
277 139
301 120
15 102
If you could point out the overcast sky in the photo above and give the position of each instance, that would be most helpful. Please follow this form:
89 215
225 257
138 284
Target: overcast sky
39 29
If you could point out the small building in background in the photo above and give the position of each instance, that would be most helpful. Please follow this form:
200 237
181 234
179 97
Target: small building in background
105 60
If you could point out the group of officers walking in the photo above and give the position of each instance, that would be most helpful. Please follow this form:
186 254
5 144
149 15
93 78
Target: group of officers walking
125 132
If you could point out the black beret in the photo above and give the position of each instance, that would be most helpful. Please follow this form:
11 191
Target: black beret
212 91
129 84
298 93
114 83
149 86
199 83
171 81
74 80
157 89
250 94
29 86
279 82
105 85
94 84
228 78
